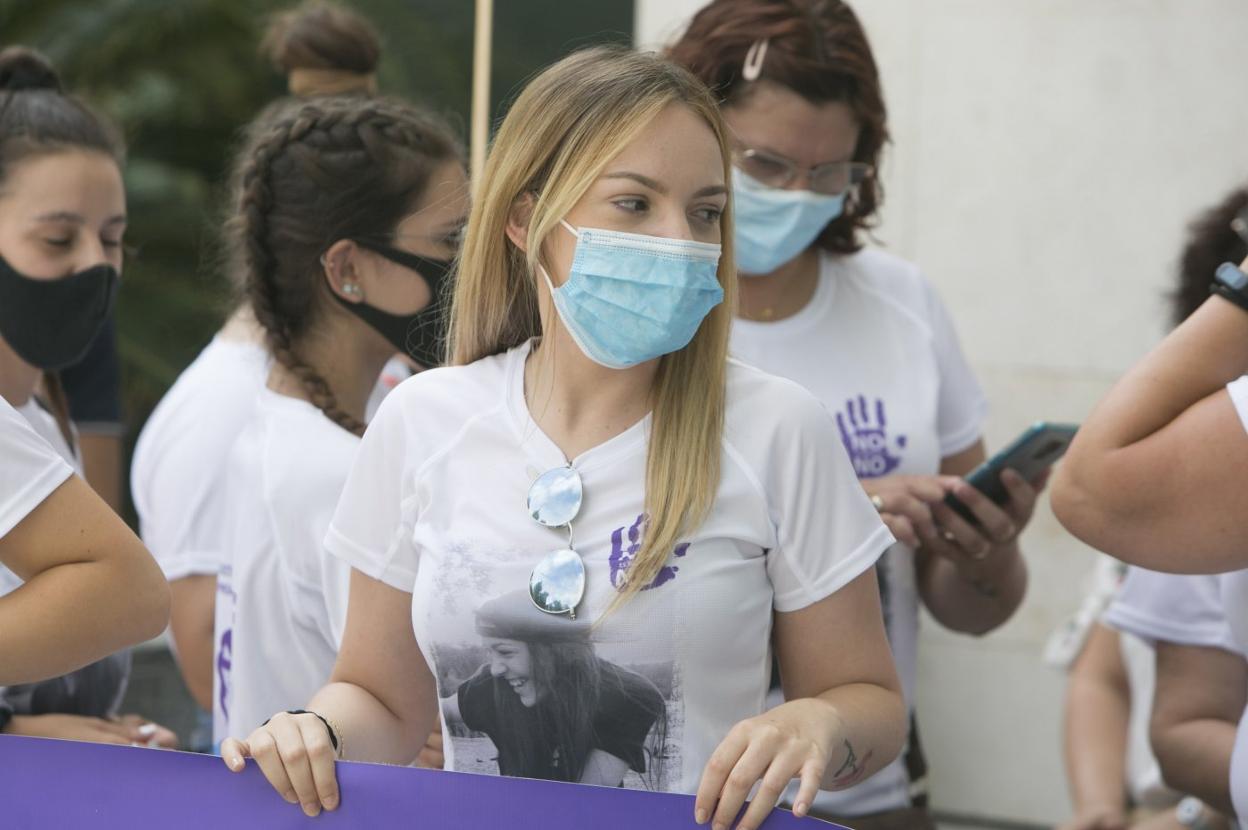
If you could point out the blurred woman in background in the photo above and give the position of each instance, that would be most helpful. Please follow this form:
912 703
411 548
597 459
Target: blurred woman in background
324 50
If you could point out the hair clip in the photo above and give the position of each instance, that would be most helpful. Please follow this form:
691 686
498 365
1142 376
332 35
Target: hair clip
753 66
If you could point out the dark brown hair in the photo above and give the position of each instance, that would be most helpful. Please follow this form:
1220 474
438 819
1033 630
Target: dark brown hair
309 175
818 49
317 35
37 118
1210 242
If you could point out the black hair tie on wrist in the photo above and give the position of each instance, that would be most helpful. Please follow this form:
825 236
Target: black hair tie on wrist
333 736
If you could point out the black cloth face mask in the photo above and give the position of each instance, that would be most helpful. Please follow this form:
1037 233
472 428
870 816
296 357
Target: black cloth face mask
50 324
420 336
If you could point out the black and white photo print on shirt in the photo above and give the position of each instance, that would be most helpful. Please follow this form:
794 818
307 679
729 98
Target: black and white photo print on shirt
534 695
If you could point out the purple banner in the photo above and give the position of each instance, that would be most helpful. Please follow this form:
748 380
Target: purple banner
47 783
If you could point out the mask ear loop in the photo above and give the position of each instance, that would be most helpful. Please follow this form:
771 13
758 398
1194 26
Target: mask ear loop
752 68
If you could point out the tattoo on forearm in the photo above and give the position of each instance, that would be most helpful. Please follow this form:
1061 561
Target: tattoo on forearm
853 770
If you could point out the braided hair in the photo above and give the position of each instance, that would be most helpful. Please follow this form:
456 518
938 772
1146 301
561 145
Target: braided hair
311 174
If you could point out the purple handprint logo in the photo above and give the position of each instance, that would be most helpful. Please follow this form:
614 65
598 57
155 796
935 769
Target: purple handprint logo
865 434
622 556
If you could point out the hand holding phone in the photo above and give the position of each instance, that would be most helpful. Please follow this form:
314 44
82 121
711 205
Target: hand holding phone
1029 455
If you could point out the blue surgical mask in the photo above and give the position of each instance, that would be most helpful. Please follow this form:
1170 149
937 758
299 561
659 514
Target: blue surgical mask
775 225
630 298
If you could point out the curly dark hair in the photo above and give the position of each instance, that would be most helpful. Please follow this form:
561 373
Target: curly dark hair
1210 242
818 49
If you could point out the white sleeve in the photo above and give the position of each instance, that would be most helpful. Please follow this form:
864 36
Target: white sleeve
178 493
373 525
30 471
1238 390
961 407
185 534
1173 608
827 532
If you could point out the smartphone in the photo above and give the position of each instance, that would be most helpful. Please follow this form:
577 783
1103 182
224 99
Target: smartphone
1029 455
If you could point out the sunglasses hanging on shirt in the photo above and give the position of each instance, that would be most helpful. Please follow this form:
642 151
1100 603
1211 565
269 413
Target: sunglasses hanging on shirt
557 583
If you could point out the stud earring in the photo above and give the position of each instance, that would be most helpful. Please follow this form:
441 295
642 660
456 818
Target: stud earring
352 289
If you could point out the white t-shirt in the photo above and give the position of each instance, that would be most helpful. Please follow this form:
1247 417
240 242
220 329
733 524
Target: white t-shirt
178 461
1234 588
392 374
45 427
282 600
1143 773
1235 602
31 471
1188 610
436 506
877 347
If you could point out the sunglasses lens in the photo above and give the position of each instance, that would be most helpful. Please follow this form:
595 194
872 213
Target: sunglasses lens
557 584
555 498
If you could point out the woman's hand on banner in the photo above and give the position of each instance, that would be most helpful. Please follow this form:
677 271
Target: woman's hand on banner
294 752
773 748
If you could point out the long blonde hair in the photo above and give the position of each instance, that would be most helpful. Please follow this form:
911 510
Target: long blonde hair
559 135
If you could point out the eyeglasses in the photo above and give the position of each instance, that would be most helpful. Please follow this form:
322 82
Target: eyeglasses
557 583
830 179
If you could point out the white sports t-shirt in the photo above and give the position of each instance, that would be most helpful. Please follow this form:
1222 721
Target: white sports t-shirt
436 505
178 461
877 348
279 636
31 471
46 428
1143 773
1189 610
1235 602
392 374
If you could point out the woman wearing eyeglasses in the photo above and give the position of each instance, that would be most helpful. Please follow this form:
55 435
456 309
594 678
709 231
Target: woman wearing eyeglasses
592 448
861 329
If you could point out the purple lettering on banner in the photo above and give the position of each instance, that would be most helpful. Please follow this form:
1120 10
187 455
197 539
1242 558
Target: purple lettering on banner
48 783
864 431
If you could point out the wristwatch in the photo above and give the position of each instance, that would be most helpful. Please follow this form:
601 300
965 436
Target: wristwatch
6 715
1191 813
1231 283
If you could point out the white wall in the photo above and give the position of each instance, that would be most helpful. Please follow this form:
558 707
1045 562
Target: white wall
1047 155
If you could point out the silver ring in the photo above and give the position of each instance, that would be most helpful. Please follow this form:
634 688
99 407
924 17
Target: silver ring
949 536
878 503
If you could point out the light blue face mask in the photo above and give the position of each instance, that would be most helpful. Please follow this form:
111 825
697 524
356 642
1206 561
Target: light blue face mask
630 298
775 225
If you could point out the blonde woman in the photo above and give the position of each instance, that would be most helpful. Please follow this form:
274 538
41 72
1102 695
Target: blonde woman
592 446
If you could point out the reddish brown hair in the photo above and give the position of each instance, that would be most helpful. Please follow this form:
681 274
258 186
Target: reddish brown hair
818 49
